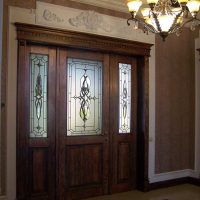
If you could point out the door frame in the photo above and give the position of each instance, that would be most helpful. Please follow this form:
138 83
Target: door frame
35 34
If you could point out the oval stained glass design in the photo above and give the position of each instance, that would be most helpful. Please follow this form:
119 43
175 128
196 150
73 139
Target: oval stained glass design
84 97
38 95
124 97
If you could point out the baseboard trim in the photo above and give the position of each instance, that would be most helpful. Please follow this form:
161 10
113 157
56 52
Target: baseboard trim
174 182
194 181
168 183
173 175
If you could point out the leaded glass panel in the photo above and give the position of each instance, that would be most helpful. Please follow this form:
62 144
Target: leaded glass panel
84 97
124 97
38 95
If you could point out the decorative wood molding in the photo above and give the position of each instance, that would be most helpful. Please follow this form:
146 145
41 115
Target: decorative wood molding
44 35
35 34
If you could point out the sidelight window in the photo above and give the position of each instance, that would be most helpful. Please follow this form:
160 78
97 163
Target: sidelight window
124 97
38 95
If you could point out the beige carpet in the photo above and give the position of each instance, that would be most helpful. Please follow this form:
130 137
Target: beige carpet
181 192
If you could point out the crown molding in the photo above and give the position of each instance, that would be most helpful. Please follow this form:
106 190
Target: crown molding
40 34
116 5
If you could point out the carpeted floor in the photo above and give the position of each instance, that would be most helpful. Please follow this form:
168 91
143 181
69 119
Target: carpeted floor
180 192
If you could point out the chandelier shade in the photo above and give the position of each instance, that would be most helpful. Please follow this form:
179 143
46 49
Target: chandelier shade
164 17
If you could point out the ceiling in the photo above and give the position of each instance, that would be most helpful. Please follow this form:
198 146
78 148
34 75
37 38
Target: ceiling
117 5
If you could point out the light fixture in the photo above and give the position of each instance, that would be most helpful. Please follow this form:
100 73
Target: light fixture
164 16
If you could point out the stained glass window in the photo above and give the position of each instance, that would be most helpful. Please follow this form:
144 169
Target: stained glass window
124 97
38 95
84 97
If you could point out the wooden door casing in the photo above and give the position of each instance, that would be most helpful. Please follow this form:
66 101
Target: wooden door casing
83 160
123 145
35 156
33 34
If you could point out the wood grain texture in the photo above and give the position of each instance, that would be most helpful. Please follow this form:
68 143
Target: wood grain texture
123 146
39 170
143 123
175 103
139 59
84 165
82 40
35 156
3 97
83 169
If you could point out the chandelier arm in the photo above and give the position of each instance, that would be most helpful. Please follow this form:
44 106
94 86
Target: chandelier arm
188 21
145 25
175 29
174 25
156 20
131 18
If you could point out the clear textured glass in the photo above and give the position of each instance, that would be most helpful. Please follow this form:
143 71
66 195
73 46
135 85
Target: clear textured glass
38 95
124 97
84 97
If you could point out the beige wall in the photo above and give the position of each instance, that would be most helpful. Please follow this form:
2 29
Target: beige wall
175 102
197 103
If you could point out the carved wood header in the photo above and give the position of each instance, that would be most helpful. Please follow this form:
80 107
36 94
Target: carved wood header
59 37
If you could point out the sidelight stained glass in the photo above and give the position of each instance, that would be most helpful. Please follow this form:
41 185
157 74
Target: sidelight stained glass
38 95
84 97
124 97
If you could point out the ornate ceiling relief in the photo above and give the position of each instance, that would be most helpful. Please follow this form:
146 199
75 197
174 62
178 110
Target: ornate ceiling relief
87 21
91 20
50 16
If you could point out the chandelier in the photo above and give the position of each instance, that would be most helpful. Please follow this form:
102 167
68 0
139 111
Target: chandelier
164 17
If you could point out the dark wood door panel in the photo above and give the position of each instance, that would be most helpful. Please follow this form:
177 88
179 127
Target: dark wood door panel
63 167
85 165
36 165
123 145
39 170
83 170
124 162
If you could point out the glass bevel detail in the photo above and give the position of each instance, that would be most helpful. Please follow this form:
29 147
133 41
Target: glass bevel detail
84 97
38 95
124 97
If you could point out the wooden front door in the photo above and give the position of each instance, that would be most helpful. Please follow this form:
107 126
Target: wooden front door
77 122
76 138
36 109
97 127
123 122
83 121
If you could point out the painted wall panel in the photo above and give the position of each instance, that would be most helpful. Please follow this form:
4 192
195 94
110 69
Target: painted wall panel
1 33
175 103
